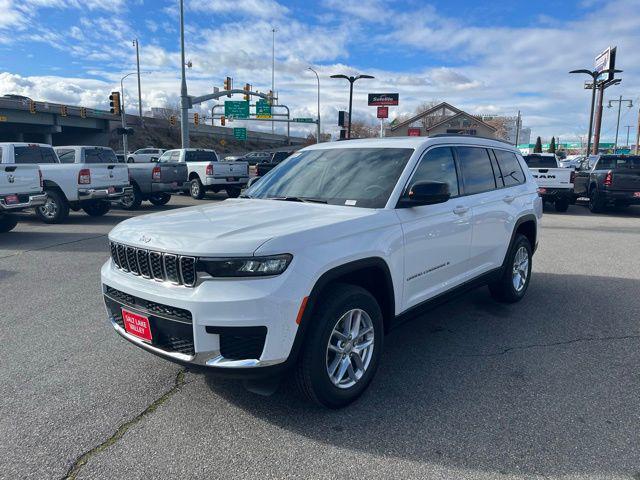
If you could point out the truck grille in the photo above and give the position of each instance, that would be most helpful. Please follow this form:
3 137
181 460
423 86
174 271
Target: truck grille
163 267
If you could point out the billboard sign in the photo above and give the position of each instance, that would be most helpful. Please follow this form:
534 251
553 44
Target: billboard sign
605 61
383 112
383 99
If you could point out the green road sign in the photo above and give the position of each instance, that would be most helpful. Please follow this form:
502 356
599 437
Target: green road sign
263 109
240 133
303 120
236 109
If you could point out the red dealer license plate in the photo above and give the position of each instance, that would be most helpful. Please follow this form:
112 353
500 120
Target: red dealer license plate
11 199
111 190
137 325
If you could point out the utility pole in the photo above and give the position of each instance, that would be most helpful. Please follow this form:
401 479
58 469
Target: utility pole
619 102
184 96
135 42
273 68
628 127
638 135
318 78
123 117
518 120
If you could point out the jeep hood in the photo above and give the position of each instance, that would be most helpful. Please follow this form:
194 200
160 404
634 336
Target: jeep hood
231 227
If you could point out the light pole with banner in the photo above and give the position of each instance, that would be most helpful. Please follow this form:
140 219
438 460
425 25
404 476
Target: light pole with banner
351 79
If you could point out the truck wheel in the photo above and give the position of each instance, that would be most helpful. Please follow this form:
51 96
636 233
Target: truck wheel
197 189
160 199
233 192
8 223
97 208
596 202
562 204
342 348
55 208
514 281
132 201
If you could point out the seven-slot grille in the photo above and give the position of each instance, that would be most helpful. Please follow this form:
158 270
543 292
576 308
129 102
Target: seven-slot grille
177 269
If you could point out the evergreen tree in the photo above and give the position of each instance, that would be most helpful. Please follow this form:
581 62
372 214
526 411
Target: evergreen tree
538 147
552 146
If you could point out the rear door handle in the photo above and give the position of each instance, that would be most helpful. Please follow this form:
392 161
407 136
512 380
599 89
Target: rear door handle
508 198
460 210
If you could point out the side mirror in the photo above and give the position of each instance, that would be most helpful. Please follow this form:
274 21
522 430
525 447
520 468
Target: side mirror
426 193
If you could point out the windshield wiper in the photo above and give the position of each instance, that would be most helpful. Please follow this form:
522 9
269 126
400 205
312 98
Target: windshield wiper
299 199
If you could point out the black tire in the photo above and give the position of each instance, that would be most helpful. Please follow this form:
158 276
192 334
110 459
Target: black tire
596 202
503 289
233 192
160 199
133 201
55 209
197 189
97 208
561 204
311 371
8 223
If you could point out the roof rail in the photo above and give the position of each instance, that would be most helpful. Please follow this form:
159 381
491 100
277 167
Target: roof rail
470 136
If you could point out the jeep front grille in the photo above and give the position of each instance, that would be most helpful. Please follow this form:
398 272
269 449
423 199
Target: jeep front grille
159 266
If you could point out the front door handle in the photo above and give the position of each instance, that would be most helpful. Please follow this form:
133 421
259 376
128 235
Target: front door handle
460 210
508 198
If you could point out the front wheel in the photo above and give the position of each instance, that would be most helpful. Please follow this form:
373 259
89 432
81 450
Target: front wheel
514 280
8 223
197 189
343 347
97 208
160 199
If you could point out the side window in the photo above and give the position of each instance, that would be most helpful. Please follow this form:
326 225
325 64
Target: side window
476 170
66 156
509 168
437 165
175 156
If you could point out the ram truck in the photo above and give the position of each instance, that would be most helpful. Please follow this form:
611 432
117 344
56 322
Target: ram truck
76 185
307 271
207 173
609 180
555 183
20 188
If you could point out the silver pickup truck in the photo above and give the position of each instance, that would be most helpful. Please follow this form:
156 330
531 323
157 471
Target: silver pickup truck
154 182
20 188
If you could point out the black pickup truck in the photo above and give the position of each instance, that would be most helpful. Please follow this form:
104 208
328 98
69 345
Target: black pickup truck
609 180
276 157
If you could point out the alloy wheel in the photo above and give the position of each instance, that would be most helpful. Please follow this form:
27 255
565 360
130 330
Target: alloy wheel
520 271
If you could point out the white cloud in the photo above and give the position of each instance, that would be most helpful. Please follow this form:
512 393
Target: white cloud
267 9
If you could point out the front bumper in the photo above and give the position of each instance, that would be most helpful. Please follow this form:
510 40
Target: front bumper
159 187
103 193
216 322
32 201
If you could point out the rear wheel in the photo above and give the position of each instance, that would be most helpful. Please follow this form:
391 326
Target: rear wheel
160 199
596 202
7 223
233 192
562 204
55 208
133 200
197 189
97 208
514 281
342 348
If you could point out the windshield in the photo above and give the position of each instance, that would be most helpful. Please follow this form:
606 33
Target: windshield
200 156
358 177
613 162
540 161
100 155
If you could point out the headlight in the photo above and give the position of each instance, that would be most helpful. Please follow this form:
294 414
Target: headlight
246 266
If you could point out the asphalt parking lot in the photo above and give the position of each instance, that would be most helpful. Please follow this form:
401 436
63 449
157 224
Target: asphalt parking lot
547 388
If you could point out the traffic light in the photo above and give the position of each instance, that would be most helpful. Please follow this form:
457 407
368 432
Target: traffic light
247 88
83 112
196 119
228 84
223 121
63 110
32 106
172 120
114 102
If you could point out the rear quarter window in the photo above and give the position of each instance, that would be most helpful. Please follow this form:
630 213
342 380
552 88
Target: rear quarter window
509 169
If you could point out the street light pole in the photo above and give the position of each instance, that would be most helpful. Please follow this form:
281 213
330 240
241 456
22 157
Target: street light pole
351 80
184 96
273 68
318 78
123 117
135 42
628 127
619 102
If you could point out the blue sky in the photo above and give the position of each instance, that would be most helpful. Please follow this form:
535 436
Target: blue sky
484 57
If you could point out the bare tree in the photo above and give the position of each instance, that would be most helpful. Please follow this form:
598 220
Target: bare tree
501 126
360 129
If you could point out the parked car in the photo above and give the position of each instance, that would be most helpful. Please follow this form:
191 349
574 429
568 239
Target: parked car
555 183
573 161
253 158
78 185
263 168
145 155
155 182
207 173
20 188
306 273
609 180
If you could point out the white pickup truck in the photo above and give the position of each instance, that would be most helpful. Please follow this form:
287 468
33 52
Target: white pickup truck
555 183
207 173
20 188
88 184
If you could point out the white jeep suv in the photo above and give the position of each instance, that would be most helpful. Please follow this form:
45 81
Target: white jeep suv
307 271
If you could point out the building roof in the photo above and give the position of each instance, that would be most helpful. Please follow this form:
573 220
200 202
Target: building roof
426 113
458 115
